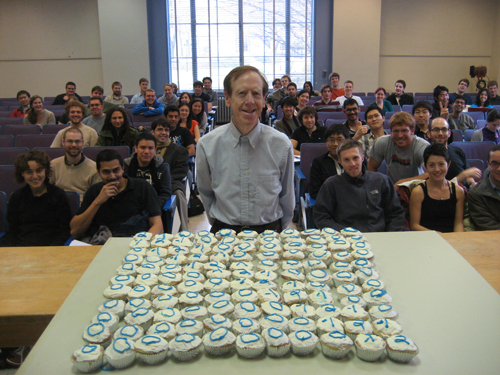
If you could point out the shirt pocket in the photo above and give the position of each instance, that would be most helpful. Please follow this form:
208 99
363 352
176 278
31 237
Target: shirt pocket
268 189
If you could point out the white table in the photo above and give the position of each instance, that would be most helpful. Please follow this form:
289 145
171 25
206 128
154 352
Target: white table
445 306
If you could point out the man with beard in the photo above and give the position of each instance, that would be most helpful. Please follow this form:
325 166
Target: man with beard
74 171
75 111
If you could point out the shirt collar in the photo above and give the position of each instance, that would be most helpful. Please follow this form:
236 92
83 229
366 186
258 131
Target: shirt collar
74 165
253 136
495 188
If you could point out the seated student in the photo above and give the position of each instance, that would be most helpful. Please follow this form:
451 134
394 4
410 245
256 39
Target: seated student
97 117
356 127
139 97
117 130
441 106
327 165
178 134
23 97
168 98
326 98
422 113
463 84
70 93
38 213
437 204
97 92
309 88
384 105
490 131
289 122
303 100
374 117
458 119
199 114
200 94
310 130
186 121
482 99
117 97
399 97
291 89
184 97
149 106
145 164
75 111
348 88
358 198
37 114
119 206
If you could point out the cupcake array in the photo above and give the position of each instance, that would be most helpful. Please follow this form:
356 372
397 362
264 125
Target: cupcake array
275 293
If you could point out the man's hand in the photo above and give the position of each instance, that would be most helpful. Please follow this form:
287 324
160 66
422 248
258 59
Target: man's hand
444 110
151 108
109 190
362 130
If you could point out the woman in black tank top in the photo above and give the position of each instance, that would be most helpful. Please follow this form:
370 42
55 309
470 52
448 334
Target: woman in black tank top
437 204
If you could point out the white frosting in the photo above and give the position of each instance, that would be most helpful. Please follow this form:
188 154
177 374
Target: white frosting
294 254
370 342
245 325
327 310
170 315
401 343
314 286
170 278
175 268
343 255
189 326
225 232
191 298
196 261
241 265
247 233
338 245
362 254
326 231
219 337
221 307
163 329
295 296
336 338
119 348
382 312
274 320
116 291
320 297
264 284
149 268
190 286
127 269
164 301
184 342
147 279
334 237
340 265
295 245
386 327
164 289
349 289
132 332
221 257
314 264
266 275
353 300
310 232
245 295
133 258
318 275
140 242
241 283
158 252
275 337
291 285
216 321
223 274
247 310
314 240
292 264
276 308
184 242
303 309
139 316
344 277
140 291
136 303
122 279
358 326
268 265
178 259
293 274
302 323
250 340
88 353
193 275
330 324
116 306
271 255
354 312
361 245
377 296
151 344
96 333
303 338
269 295
216 283
349 231
217 296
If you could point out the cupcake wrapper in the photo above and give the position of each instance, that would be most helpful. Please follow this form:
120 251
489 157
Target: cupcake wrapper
369 355
153 359
278 351
104 344
123 362
352 336
401 356
250 352
303 350
218 351
334 353
187 355
89 366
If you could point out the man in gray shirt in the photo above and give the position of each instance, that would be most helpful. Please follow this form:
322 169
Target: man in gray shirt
168 98
245 169
207 87
96 119
459 120
402 150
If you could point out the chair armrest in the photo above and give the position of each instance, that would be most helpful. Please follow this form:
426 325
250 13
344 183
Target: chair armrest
170 204
68 242
310 201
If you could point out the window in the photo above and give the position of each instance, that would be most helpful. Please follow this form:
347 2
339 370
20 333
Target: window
211 37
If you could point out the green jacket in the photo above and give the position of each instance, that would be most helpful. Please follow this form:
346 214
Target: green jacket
106 138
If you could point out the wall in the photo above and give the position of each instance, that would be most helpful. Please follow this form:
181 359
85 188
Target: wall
47 43
427 43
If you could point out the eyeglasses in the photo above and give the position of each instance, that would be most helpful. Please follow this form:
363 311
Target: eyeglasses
404 131
351 109
494 164
70 141
439 130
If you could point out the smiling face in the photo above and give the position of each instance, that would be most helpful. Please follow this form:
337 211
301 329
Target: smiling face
146 151
462 86
326 94
96 107
117 90
70 90
288 111
35 175
304 99
143 86
309 122
207 84
276 84
117 119
493 91
246 100
23 100
374 120
399 89
335 81
150 98
402 135
458 105
443 97
348 87
162 133
184 112
167 90
437 167
75 115
439 131
185 98
111 172
173 119
285 81
37 104
198 90
333 142
379 96
352 112
197 108
73 143
422 117
352 161
483 97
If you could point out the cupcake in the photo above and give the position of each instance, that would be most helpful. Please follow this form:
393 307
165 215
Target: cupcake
127 269
230 240
217 296
382 312
327 311
133 258
241 283
161 240
241 265
216 284
269 233
164 329
264 284
266 295
222 247
164 301
362 254
326 325
311 264
146 236
354 312
219 342
222 307
178 259
221 257
372 284
274 321
247 233
353 300
245 325
185 347
162 289
245 295
250 345
289 232
219 273
242 273
175 268
151 349
303 342
193 269
191 299
265 275
122 279
292 264
340 265
310 232
247 310
224 233
296 245
88 358
320 297
191 326
294 254
377 297
292 275
349 289
344 277
194 312
335 344
326 231
142 317
153 259
170 315
216 321
361 262
338 245
269 255
246 247
177 249
318 275
140 242
365 273
356 238
302 323
361 245
133 333
135 303
160 252
196 261
267 265
114 306
121 353
386 328
140 291
190 286
291 285
109 319
303 310
342 255
276 308
204 245
117 291
349 232
353 328
401 349
278 343
334 237
369 347
97 334
148 279
295 296
185 234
